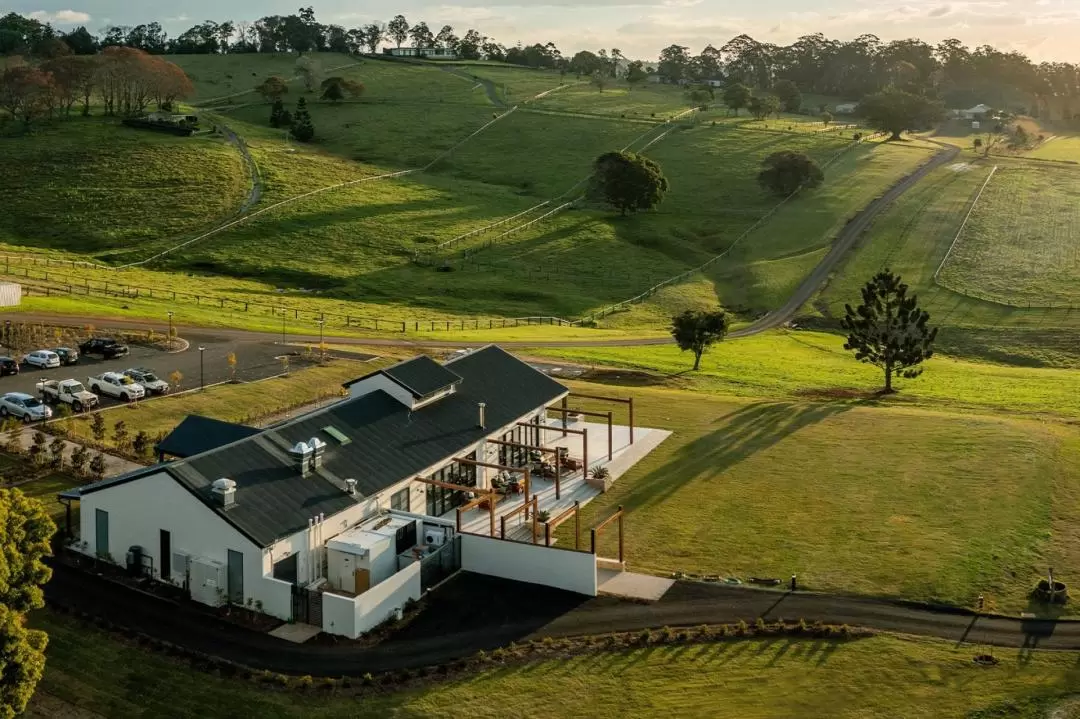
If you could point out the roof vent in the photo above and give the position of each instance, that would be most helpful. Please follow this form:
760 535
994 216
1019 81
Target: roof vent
350 486
301 454
224 491
318 448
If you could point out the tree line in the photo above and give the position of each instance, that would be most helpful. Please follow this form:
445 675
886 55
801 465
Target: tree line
122 80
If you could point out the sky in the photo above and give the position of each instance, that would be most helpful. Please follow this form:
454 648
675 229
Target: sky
1042 29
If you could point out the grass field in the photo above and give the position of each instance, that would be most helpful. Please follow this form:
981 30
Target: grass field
234 76
1060 147
95 184
912 238
913 497
1021 245
756 679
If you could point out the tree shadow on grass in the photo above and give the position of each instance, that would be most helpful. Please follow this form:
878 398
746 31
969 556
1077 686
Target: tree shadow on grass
745 432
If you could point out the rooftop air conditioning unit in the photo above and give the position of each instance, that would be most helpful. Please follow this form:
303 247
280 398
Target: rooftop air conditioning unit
435 536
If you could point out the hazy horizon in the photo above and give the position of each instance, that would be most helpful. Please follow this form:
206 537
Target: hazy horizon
1042 29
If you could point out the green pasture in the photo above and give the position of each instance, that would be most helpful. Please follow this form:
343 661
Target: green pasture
1021 245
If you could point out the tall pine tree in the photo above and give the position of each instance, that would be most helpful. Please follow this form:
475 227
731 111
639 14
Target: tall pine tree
888 329
302 129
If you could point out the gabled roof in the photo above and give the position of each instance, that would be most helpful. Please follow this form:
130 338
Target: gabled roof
387 443
198 434
420 376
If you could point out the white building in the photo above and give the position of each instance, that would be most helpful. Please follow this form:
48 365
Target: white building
322 519
431 53
846 108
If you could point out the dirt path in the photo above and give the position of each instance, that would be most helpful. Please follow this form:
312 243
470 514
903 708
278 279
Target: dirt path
255 193
489 86
843 244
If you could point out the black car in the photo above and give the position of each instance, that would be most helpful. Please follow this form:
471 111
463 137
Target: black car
8 366
68 356
106 347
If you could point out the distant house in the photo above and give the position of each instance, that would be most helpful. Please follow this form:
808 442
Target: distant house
846 108
979 112
713 83
172 118
431 53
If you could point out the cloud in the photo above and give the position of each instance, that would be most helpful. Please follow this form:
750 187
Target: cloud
64 17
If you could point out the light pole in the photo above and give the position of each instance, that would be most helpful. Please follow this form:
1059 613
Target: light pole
170 330
201 367
322 350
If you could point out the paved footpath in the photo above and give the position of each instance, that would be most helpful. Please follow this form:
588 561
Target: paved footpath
686 604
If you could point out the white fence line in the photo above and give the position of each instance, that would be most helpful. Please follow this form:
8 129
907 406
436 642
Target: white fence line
963 224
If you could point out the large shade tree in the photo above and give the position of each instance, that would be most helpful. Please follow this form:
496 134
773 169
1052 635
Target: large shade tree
786 171
628 182
889 330
896 111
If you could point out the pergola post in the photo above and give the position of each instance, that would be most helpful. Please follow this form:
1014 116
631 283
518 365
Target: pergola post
620 533
610 435
577 524
585 453
565 401
631 404
605 415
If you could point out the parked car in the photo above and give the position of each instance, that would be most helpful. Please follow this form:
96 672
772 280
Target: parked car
8 366
148 380
70 391
117 385
68 355
24 406
43 359
107 347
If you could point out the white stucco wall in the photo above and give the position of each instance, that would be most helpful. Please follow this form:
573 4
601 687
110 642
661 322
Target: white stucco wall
536 564
381 381
139 509
352 616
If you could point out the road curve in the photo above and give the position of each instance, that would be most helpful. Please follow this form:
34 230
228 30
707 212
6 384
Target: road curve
842 245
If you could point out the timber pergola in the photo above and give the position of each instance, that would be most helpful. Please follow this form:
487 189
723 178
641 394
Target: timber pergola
586 413
488 497
537 448
464 488
584 442
595 532
628 401
505 467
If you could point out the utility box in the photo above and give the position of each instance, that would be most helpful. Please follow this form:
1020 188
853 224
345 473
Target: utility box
207 581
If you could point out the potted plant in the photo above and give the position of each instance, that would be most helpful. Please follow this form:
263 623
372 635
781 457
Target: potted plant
543 516
600 478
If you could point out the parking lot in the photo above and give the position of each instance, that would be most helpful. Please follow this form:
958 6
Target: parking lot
254 360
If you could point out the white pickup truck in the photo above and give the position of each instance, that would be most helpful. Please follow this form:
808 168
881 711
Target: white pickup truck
115 384
70 391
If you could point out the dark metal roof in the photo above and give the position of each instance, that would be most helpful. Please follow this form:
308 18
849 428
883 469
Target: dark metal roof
422 376
198 434
388 444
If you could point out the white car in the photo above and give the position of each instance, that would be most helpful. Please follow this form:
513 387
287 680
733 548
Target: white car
24 406
115 384
44 359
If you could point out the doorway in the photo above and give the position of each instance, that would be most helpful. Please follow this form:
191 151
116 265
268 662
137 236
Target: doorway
165 554
235 578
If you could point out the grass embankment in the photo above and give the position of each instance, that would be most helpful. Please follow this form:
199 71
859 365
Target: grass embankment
912 238
247 403
931 494
234 77
1020 244
746 679
86 184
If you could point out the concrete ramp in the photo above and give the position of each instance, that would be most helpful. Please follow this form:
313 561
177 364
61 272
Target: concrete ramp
632 586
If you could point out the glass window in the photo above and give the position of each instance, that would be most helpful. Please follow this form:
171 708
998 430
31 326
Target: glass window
400 500
441 500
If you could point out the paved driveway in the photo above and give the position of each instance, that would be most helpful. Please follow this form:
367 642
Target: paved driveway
254 360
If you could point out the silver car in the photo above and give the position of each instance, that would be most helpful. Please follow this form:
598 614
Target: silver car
26 407
44 359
